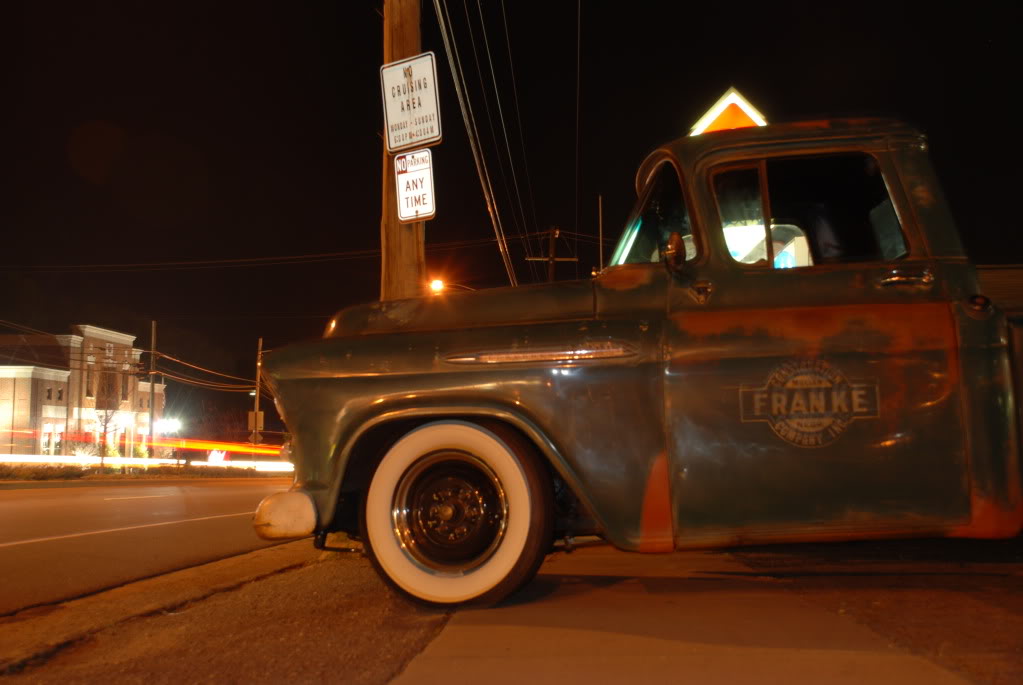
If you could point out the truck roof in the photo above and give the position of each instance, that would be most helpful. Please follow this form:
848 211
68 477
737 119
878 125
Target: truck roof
689 149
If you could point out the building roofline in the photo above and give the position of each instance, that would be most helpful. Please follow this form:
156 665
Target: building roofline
105 334
32 371
70 340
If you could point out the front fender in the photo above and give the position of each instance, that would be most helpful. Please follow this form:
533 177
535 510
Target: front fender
549 449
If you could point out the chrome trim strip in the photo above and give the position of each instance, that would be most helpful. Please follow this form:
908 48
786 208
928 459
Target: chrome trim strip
596 350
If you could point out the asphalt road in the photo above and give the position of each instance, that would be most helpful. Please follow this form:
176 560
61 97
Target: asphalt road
927 612
64 540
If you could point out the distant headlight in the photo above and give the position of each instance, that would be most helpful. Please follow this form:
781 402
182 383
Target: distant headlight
286 451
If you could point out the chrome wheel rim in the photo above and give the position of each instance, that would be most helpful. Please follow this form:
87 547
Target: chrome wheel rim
450 512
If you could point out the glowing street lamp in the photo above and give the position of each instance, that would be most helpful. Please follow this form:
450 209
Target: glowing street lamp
437 286
168 425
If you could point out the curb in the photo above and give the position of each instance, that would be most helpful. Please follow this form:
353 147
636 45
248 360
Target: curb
35 634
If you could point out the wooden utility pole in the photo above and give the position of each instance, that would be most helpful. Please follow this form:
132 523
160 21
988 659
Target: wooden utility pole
152 389
403 261
552 257
257 416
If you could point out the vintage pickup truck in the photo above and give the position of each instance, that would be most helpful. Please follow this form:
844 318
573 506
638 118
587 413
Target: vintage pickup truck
788 344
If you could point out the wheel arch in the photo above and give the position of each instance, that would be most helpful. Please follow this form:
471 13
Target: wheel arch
363 451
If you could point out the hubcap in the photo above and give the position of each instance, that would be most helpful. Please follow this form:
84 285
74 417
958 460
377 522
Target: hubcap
449 512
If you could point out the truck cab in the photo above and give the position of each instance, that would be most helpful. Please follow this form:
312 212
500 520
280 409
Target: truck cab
821 320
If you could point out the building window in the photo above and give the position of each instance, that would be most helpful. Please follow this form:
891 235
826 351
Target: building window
60 394
124 385
110 350
49 393
106 397
88 380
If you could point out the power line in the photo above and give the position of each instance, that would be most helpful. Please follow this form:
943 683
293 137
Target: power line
242 263
200 368
77 360
20 327
518 117
578 69
208 386
470 127
209 383
490 121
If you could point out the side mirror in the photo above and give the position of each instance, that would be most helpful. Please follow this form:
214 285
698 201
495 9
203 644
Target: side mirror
675 253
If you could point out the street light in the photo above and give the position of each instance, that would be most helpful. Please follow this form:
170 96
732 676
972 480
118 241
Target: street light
168 425
437 286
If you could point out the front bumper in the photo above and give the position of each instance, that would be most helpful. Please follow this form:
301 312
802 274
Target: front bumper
285 515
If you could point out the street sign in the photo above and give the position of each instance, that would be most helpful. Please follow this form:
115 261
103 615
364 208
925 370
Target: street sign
411 102
413 179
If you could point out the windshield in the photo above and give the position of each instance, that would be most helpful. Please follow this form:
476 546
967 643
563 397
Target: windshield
661 211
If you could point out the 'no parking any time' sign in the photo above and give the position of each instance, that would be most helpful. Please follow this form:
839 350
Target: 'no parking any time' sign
413 178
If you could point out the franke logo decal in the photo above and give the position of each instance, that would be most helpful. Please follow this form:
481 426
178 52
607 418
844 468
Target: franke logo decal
809 402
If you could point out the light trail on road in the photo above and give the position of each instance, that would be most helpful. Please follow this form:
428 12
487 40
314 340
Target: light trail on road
166 442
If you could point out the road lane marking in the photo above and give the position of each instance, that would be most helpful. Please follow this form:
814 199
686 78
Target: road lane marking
118 530
107 499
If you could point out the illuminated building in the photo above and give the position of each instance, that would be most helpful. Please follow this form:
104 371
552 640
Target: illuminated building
59 393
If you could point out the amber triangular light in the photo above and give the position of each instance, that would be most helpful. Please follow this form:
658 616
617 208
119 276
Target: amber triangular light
731 110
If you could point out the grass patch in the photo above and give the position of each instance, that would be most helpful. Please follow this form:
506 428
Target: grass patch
40 472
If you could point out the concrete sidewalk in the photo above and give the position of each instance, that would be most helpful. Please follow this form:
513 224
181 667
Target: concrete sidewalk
598 615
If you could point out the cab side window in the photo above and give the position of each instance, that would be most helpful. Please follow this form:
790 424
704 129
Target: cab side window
660 212
823 209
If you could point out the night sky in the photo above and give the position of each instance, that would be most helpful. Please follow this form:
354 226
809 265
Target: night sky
144 135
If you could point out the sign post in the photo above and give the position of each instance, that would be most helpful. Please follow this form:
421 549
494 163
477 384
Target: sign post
408 86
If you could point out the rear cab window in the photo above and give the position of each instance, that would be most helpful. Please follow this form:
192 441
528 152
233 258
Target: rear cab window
823 209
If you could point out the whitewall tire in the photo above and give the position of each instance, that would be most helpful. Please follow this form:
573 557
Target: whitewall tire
459 512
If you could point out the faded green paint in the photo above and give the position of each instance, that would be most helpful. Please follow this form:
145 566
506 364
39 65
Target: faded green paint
905 446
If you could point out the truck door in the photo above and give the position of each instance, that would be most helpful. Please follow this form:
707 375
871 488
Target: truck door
812 388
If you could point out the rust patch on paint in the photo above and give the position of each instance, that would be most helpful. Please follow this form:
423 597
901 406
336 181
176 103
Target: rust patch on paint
626 277
655 529
815 125
906 328
990 520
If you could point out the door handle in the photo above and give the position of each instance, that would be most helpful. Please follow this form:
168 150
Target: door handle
701 291
906 277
